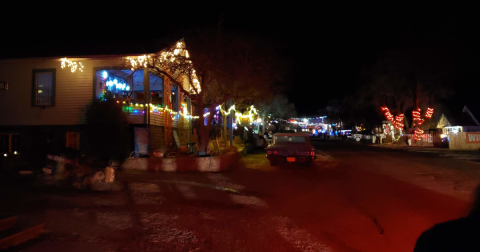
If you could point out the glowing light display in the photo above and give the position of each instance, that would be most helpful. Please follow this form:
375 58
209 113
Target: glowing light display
156 109
173 56
419 121
429 113
251 112
397 121
73 65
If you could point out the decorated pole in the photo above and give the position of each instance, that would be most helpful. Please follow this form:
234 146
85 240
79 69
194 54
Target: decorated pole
232 115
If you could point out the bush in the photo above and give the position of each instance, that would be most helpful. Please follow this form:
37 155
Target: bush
107 130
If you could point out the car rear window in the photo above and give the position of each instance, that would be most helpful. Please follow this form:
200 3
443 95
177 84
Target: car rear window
291 139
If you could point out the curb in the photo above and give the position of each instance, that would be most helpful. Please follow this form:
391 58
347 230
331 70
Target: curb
183 164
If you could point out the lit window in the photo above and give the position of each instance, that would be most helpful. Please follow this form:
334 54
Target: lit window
43 87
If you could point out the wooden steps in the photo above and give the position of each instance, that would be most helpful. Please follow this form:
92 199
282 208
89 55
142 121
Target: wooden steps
14 231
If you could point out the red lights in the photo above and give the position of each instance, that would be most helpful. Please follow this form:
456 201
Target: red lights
312 153
416 115
398 122
275 152
269 152
429 113
418 134
388 115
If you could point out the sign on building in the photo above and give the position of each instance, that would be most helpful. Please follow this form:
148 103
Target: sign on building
473 137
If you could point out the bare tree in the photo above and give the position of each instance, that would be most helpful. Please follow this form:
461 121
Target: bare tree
408 79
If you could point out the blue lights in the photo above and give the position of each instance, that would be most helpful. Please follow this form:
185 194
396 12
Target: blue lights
104 74
119 84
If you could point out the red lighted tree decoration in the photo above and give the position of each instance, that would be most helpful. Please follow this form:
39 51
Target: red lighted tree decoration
417 121
398 122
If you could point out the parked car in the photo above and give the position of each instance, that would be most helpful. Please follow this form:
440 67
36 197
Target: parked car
290 148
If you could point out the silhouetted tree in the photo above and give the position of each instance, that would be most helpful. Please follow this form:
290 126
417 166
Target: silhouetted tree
212 66
106 129
407 78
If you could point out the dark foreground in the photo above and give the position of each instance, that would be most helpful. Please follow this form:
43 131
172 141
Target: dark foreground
365 199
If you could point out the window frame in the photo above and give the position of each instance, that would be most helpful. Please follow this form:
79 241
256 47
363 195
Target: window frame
34 86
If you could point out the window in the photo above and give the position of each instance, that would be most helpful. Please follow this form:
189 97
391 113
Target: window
43 87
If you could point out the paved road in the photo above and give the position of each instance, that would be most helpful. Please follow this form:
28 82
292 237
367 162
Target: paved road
356 198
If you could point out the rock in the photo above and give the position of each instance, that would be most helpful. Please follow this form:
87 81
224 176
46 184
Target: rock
98 176
61 176
82 170
93 178
88 180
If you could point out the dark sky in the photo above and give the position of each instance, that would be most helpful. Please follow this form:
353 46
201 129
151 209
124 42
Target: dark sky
327 47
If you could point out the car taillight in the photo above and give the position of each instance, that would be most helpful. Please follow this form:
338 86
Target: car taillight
312 153
269 152
275 152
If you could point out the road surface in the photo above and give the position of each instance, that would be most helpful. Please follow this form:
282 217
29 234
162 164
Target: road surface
355 198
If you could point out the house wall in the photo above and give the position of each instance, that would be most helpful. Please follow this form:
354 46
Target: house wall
39 140
73 91
157 135
157 138
184 131
459 142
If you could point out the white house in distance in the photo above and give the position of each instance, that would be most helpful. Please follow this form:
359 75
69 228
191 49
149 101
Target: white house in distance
458 122
43 101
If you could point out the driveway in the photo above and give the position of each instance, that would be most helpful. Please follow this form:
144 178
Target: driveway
354 198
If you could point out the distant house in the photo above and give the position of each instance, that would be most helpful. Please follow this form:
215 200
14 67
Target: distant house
43 101
463 121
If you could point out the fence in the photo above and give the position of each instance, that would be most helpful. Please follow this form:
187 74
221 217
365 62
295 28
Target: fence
426 138
459 141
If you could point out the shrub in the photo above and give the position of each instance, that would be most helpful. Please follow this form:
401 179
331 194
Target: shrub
107 130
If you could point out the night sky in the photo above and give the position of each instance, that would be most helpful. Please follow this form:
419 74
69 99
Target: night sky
327 48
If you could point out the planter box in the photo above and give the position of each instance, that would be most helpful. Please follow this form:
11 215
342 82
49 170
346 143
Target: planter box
183 164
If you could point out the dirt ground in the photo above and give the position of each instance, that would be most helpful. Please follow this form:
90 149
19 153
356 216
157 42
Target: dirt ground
353 198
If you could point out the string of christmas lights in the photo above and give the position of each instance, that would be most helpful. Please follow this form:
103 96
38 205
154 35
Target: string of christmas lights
74 66
419 121
398 122
156 109
429 113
